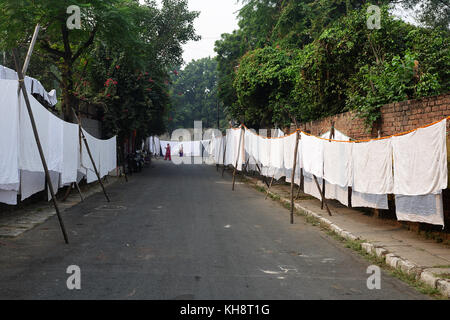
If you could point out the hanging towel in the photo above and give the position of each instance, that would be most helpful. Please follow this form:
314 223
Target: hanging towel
277 153
338 163
364 200
372 167
289 149
424 209
312 155
9 139
310 186
420 161
71 151
8 197
335 192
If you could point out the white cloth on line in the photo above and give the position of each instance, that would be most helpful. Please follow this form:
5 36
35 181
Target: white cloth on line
420 161
8 197
55 178
310 186
277 153
336 192
338 135
29 157
9 130
425 209
289 149
54 156
372 167
9 74
364 200
71 153
338 163
31 183
312 155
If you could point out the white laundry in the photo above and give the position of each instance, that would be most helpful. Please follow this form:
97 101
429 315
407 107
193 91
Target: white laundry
338 163
277 153
55 178
420 161
71 153
31 183
312 155
372 167
8 197
336 192
310 186
9 141
289 149
425 209
364 200
31 85
29 157
234 148
54 156
338 135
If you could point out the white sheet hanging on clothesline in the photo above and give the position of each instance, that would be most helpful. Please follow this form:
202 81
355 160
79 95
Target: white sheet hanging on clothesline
312 155
372 167
9 142
425 209
420 161
32 85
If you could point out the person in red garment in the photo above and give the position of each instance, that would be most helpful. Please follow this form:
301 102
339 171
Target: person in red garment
168 153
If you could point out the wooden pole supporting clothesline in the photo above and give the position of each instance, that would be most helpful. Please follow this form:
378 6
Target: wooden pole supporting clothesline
34 127
83 137
238 156
270 186
297 140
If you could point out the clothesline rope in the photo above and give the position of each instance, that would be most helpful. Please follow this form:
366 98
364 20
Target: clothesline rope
355 141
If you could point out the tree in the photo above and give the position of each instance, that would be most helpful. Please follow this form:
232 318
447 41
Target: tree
194 95
140 30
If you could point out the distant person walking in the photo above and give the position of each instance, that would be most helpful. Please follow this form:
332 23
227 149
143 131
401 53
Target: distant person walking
168 153
181 151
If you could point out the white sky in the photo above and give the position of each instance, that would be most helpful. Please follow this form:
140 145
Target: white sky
216 17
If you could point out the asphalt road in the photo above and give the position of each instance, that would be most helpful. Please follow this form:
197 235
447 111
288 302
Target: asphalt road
180 233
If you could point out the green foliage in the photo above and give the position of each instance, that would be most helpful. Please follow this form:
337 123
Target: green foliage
194 96
138 36
263 84
320 59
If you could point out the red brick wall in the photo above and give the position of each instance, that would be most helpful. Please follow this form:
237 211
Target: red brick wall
395 118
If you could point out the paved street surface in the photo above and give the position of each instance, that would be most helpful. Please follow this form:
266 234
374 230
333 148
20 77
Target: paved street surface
179 232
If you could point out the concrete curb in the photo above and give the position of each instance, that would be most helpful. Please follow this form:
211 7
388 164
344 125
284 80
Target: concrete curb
421 274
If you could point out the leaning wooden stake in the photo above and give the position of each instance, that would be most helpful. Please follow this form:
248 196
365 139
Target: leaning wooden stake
293 176
238 156
323 196
270 186
90 155
224 154
38 142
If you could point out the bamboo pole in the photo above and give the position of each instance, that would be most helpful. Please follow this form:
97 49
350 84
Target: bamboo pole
38 143
270 186
30 50
90 155
79 191
323 196
238 156
293 176
224 153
